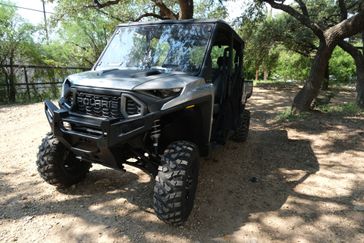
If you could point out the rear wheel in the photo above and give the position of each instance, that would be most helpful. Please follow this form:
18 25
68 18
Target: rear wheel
242 131
176 182
57 165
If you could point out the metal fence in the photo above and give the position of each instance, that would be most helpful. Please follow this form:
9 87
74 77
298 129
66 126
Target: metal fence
34 82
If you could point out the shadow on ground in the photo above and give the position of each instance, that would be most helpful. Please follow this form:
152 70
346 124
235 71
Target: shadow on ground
240 179
251 185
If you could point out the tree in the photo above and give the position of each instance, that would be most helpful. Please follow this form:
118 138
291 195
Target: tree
166 9
15 39
358 57
355 52
260 51
329 37
84 37
85 25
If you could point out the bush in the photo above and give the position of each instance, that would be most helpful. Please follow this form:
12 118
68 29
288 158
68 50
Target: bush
342 67
292 66
345 109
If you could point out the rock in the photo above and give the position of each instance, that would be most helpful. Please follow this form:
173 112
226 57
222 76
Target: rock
253 179
28 218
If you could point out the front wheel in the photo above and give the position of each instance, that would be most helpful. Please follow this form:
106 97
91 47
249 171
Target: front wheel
57 165
176 182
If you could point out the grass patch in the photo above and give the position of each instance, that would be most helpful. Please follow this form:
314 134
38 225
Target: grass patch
344 109
274 84
288 116
269 82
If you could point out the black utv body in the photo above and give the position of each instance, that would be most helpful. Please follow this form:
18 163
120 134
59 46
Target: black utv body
162 93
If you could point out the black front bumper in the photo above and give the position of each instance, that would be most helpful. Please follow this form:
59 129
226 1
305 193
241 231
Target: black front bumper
100 135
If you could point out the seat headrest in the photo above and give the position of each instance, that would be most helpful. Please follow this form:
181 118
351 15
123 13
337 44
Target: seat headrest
220 61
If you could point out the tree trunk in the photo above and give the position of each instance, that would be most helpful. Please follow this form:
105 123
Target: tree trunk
325 84
304 98
328 40
257 73
186 9
265 73
358 57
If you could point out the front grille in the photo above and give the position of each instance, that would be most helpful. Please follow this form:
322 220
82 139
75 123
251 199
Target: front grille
131 107
106 106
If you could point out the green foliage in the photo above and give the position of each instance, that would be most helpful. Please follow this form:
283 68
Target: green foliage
344 109
279 44
287 116
259 51
22 98
292 66
293 36
342 67
15 34
17 46
82 33
270 82
210 10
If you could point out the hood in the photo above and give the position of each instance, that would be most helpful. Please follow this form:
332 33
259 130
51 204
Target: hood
131 79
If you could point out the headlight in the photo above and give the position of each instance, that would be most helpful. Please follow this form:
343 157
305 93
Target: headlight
66 93
66 88
164 93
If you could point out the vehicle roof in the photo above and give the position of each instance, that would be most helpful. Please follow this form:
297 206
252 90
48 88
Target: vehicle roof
187 21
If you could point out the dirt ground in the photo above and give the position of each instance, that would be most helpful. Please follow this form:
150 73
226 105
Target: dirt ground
300 181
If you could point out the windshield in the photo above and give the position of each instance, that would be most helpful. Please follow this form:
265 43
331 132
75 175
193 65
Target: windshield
176 47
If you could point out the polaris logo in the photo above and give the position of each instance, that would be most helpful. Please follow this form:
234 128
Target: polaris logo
85 101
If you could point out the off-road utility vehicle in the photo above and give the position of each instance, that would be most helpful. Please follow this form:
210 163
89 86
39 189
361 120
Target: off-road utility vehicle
159 97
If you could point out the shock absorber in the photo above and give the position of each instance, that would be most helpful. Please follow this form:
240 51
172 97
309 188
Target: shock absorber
155 134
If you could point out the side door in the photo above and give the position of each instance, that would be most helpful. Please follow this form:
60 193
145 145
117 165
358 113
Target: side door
221 75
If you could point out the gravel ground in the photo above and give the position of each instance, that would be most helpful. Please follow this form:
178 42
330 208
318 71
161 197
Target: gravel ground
300 181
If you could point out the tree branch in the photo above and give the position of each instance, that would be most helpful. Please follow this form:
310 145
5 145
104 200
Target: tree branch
108 14
346 28
164 11
343 10
305 20
106 4
349 48
303 7
148 15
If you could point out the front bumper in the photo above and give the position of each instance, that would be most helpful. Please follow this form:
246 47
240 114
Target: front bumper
98 136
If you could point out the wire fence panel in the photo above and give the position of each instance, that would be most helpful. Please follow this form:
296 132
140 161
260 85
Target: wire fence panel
32 82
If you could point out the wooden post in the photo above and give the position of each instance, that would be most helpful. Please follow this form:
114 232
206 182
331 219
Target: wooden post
7 85
27 83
